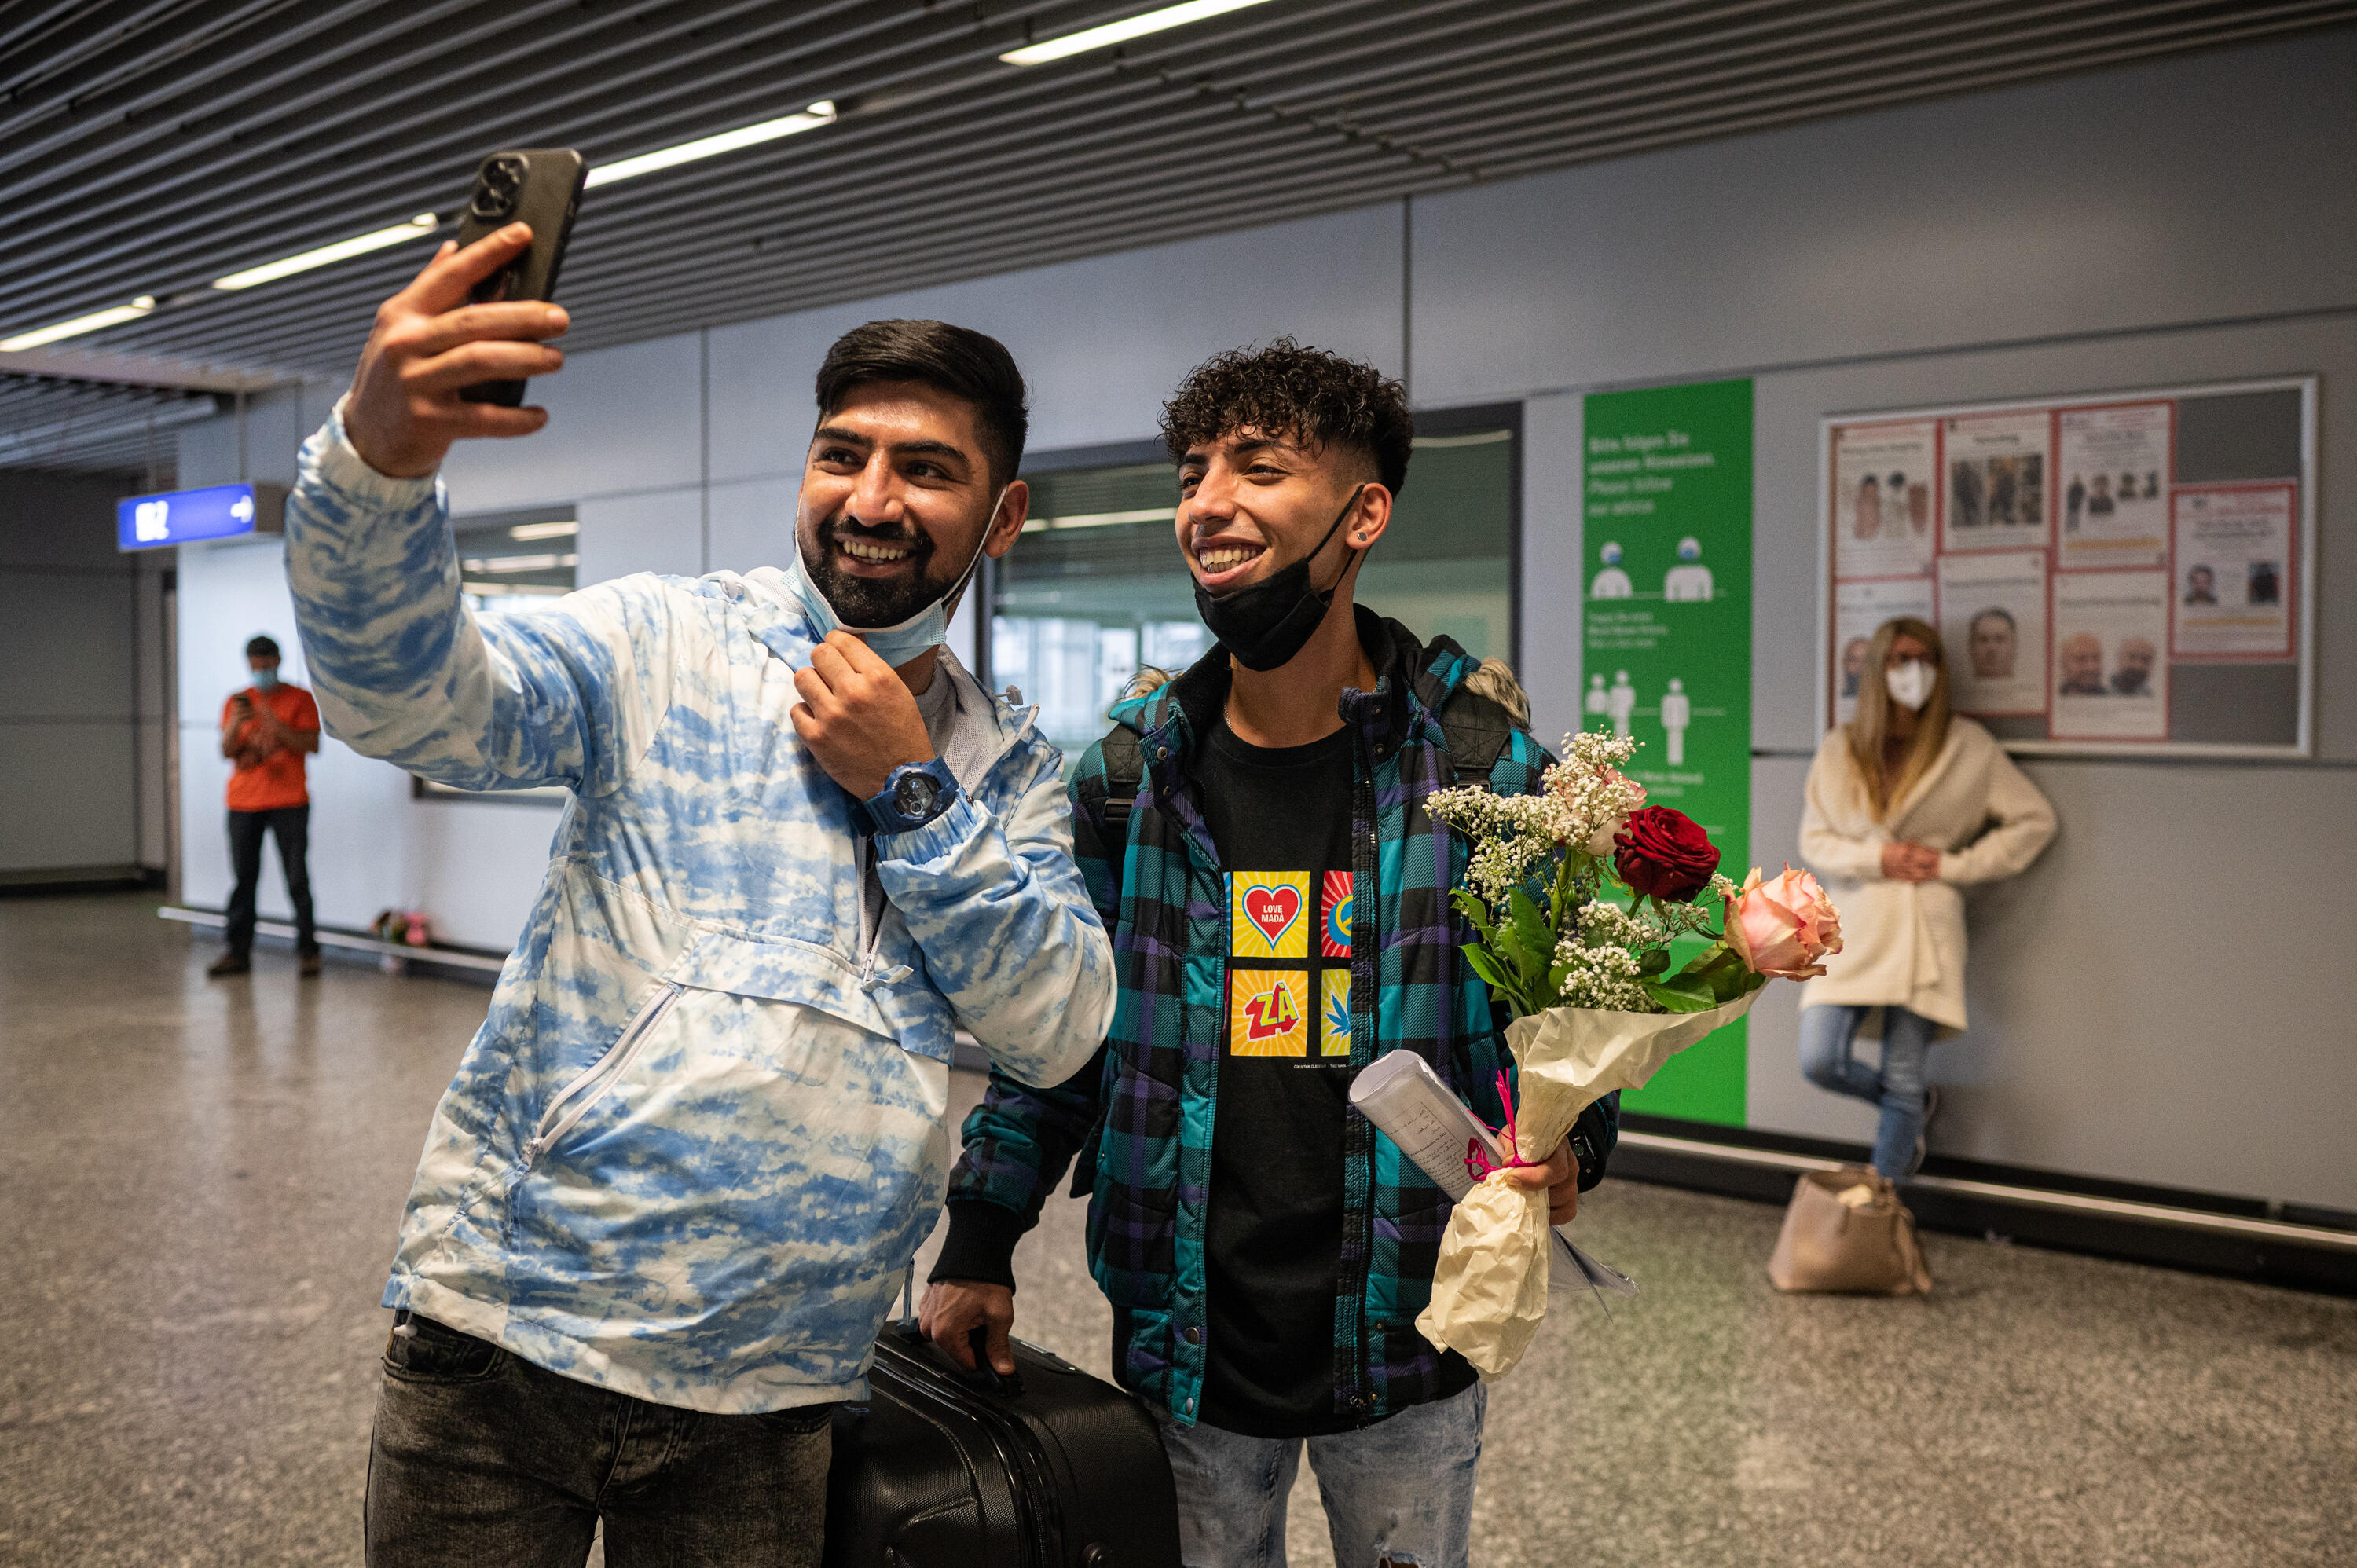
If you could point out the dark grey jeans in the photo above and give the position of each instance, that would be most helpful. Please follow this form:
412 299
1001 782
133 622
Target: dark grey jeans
481 1457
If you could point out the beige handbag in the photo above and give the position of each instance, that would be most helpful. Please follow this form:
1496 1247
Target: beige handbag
1847 1231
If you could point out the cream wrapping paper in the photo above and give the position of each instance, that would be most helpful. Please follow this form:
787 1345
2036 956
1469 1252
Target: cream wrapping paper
1490 1290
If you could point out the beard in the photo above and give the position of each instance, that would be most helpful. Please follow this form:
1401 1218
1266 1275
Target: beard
868 601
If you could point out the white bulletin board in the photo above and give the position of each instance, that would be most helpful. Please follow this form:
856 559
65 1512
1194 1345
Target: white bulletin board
2114 574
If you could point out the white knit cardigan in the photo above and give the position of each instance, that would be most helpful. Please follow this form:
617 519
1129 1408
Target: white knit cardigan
1903 942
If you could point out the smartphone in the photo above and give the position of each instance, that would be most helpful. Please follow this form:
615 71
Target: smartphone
541 185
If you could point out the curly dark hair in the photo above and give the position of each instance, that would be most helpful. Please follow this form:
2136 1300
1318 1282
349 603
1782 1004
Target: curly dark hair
1307 395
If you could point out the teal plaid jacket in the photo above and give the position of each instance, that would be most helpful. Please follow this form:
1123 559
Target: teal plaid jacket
1139 1117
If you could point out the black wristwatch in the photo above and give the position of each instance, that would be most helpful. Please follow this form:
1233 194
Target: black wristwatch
914 795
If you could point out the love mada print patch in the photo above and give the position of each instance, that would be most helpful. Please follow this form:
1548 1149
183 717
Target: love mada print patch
1269 914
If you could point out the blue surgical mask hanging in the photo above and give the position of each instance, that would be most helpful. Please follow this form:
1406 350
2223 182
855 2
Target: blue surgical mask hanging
896 645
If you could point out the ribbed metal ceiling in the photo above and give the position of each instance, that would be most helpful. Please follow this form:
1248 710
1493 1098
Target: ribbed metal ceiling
149 147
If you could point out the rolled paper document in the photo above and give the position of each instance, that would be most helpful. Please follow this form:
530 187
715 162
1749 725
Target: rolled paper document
1408 1104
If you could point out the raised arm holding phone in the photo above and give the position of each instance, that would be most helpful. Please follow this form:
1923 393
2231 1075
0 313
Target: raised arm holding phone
664 1204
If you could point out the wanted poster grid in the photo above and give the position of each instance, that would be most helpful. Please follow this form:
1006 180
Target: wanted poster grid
1995 488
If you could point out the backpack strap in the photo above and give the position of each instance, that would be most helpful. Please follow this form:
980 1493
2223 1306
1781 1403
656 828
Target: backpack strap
1125 767
1477 729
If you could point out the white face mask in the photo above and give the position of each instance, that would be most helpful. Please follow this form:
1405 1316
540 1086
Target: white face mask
896 645
1911 684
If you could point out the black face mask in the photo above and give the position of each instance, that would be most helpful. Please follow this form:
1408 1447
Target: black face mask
1264 624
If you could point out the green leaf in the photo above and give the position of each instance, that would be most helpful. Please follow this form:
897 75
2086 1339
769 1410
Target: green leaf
1473 909
1532 932
1555 977
1653 961
1487 967
1669 999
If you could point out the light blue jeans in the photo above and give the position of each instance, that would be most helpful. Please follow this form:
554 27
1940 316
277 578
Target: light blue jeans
1400 1491
1827 1035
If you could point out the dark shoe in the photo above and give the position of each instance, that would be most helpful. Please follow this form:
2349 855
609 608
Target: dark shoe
229 963
310 965
1922 1148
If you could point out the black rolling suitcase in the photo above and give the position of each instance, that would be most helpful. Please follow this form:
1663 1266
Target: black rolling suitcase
1050 1468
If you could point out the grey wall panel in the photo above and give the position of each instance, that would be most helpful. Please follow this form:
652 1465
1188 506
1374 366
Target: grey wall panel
2108 201
1100 341
60 521
1553 429
275 425
660 531
68 699
66 644
68 798
752 524
619 420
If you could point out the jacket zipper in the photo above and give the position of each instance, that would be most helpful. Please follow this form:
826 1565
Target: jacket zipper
594 1085
1366 922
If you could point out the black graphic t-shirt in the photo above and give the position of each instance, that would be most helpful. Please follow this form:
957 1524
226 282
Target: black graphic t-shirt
1272 1237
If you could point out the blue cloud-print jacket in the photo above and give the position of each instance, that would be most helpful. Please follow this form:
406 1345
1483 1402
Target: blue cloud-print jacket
704 1128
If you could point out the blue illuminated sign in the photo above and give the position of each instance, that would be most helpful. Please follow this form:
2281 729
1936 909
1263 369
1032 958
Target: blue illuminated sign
182 517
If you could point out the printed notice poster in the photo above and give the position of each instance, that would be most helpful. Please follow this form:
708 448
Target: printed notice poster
2233 562
1666 645
2114 465
1858 609
1992 623
2111 681
1882 481
1996 494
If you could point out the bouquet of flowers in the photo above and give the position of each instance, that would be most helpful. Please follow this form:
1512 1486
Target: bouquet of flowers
1575 894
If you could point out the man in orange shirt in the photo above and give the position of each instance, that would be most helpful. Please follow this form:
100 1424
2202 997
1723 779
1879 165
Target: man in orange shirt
265 730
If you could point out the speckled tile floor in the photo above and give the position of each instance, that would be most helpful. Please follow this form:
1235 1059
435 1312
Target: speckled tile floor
199 1181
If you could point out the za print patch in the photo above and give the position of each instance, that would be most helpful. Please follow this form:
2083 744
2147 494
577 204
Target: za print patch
1269 1012
1269 913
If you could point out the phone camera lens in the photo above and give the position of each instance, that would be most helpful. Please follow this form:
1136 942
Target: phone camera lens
495 192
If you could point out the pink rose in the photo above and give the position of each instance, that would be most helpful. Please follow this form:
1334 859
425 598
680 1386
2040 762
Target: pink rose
1782 928
1600 843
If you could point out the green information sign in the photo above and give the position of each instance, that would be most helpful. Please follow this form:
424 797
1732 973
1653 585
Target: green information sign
1667 479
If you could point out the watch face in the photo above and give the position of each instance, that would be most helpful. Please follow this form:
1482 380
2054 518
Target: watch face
914 795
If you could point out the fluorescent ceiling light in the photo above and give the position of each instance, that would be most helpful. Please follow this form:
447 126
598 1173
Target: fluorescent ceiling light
79 325
817 115
498 564
424 223
1122 31
1102 519
545 530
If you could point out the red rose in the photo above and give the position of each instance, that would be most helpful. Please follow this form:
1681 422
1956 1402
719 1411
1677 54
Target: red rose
1664 854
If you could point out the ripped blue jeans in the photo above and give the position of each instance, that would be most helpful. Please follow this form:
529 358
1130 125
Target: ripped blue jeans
1400 1491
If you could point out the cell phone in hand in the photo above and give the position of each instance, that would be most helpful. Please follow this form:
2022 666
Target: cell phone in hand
538 186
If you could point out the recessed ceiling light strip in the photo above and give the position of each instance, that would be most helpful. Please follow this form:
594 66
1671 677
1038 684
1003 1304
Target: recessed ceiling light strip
96 319
1121 32
417 228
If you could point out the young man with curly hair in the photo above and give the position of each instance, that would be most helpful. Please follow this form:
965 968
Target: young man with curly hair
1255 834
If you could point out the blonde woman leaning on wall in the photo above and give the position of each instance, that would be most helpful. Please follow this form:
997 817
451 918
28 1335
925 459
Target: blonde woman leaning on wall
1907 804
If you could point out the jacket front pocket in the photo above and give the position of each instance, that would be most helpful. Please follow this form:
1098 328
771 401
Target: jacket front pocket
583 1092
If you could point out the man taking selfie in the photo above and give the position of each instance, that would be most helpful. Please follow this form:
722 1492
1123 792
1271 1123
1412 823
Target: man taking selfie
1256 836
664 1204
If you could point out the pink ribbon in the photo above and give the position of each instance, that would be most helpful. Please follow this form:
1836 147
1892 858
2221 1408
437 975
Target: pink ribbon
1478 1162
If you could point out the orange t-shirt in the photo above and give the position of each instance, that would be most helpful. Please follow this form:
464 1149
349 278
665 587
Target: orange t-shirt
264 784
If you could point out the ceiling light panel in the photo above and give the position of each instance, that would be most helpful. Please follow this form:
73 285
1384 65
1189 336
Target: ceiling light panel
1121 32
811 119
417 228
